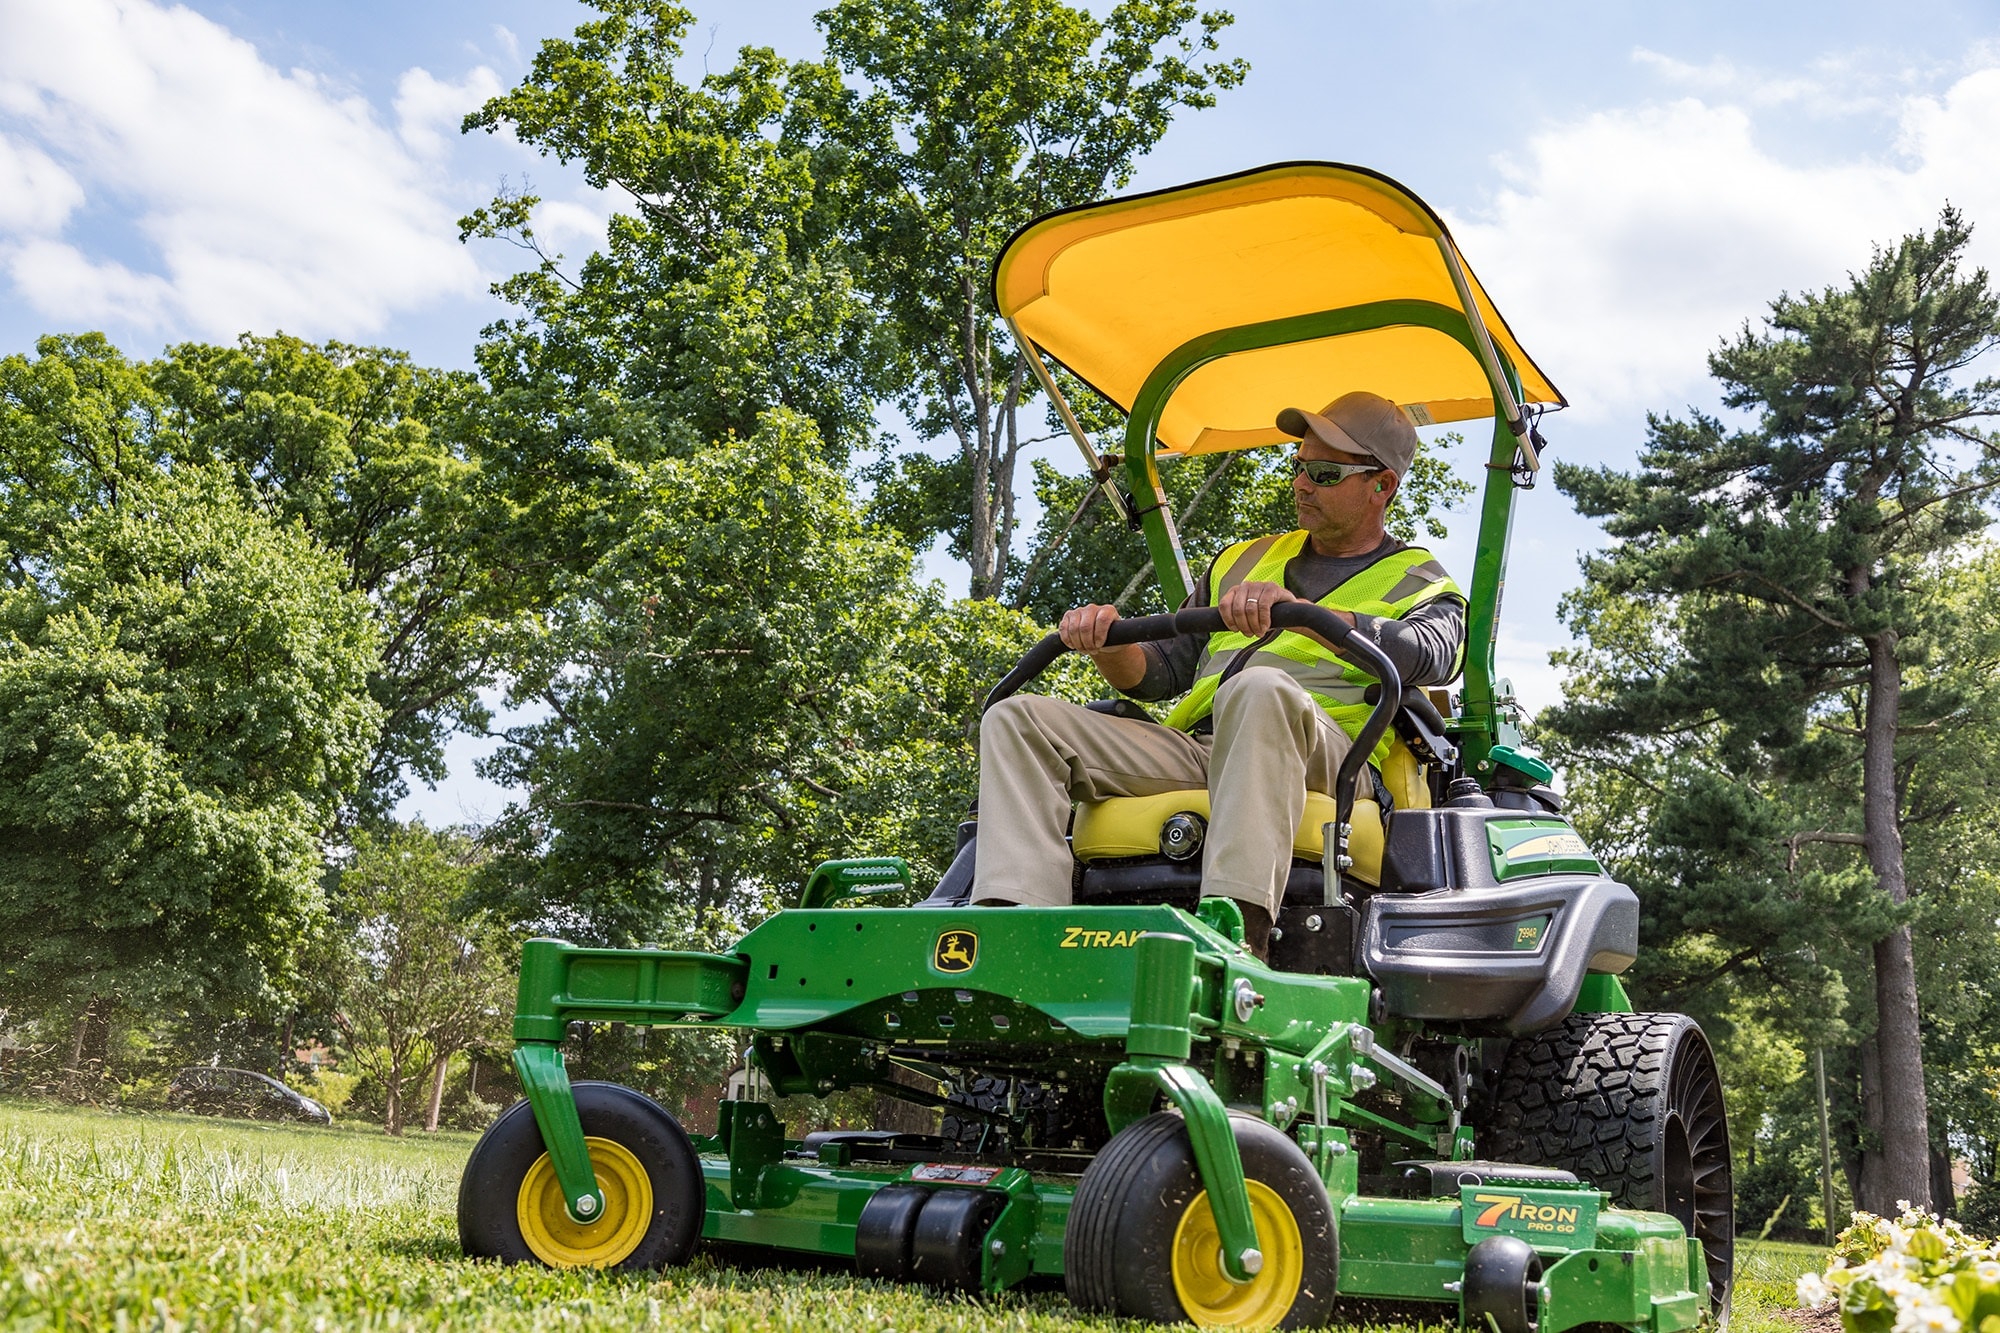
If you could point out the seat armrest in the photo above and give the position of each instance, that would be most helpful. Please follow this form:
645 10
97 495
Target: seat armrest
1420 725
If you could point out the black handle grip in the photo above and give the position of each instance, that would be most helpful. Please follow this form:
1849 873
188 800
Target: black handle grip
1134 629
1208 620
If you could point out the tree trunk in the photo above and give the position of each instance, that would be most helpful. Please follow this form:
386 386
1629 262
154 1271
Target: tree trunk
392 1110
82 1033
1944 1199
1900 1169
437 1094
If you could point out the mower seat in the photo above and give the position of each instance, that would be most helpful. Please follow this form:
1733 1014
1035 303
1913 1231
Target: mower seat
1129 826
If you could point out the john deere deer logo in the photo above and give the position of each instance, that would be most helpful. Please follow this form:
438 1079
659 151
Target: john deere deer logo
956 951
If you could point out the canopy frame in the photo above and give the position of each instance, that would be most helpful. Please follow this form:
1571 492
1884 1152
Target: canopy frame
1486 710
1458 309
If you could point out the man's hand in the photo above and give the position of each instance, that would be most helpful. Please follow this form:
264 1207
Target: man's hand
1246 608
1083 631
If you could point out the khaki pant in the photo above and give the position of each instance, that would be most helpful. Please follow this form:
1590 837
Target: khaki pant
1037 755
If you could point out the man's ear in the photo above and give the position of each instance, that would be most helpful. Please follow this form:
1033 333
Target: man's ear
1387 485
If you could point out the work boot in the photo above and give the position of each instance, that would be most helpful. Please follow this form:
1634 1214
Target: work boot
1256 929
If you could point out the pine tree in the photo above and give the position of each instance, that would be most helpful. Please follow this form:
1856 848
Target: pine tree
1791 553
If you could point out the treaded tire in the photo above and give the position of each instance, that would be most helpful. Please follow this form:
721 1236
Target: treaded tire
1633 1104
1119 1250
489 1190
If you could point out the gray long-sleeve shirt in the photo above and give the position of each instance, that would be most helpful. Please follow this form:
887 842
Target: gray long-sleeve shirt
1424 644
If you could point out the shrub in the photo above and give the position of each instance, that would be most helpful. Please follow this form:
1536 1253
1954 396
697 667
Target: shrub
1918 1274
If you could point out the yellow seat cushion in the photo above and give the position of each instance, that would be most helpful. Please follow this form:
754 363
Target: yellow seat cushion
1130 826
1127 826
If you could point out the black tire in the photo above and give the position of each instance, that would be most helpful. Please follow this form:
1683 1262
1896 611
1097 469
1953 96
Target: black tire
1121 1250
1071 1117
490 1192
1633 1104
1502 1274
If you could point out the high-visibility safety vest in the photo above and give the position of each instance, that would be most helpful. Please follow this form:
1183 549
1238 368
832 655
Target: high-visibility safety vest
1391 588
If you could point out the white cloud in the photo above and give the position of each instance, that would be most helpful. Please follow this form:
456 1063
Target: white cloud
266 199
428 109
570 224
36 195
1725 78
508 42
1627 243
56 276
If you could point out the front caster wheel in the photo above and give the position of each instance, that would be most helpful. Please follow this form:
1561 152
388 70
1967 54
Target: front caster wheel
510 1206
1142 1240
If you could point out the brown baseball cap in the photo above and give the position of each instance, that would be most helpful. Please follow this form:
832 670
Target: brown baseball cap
1358 423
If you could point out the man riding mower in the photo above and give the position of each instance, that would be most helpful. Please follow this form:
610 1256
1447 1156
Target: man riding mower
1433 1089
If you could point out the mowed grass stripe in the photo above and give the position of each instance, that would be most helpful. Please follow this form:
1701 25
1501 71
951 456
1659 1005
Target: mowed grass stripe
177 1222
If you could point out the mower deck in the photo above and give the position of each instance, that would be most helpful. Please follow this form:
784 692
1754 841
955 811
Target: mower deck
1603 1265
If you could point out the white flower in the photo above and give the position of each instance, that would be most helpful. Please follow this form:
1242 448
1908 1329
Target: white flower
1813 1291
1987 1270
1925 1316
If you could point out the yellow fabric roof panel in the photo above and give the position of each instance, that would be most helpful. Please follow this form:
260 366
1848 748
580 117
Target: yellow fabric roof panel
1111 289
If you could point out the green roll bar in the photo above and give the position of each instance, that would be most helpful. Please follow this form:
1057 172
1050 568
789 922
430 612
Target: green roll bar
1482 721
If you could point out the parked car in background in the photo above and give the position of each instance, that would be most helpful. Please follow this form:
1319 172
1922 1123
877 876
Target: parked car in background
207 1090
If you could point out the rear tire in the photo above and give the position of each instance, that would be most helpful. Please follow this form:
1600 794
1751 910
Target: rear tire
510 1207
1633 1104
1142 1240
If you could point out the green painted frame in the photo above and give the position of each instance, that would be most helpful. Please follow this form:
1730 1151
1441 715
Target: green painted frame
1481 722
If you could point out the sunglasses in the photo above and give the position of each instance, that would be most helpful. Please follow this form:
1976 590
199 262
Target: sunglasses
1323 473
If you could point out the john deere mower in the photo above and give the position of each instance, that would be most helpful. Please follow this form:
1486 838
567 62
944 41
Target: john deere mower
1436 1091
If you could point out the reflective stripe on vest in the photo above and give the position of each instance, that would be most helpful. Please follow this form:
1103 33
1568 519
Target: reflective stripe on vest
1390 588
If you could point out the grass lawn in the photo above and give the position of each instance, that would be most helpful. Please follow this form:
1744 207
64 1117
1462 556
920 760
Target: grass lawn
171 1222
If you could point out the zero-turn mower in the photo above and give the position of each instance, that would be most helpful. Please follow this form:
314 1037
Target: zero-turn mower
1436 1091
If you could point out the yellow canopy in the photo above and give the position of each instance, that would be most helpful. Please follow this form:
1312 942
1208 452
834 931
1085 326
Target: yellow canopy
1111 289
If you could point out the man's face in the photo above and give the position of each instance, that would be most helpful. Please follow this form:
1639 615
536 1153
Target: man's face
1337 514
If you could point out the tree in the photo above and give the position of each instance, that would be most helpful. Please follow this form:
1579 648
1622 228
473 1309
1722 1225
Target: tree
77 422
750 681
420 979
1792 554
723 293
182 711
377 459
974 117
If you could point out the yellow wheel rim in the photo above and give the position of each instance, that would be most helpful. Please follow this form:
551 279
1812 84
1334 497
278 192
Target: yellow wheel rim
1209 1297
628 1210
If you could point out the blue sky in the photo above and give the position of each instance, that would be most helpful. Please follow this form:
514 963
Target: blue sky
1631 181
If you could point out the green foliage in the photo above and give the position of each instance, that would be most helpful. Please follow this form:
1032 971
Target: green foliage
1781 717
376 459
971 120
746 683
370 455
182 710
418 979
721 295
